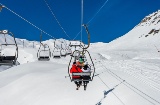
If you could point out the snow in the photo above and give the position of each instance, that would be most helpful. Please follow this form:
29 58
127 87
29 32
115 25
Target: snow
127 71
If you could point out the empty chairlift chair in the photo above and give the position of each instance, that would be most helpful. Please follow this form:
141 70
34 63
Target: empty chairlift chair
56 53
44 53
69 51
9 48
63 51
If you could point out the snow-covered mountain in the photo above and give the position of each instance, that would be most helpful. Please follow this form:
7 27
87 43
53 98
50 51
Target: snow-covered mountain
127 72
141 42
143 36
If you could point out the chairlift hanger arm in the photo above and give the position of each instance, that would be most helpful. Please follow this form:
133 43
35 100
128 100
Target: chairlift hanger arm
15 42
41 39
1 7
86 28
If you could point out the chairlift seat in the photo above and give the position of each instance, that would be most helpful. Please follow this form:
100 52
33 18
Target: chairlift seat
7 58
44 50
44 58
83 75
8 44
80 80
56 56
63 55
7 62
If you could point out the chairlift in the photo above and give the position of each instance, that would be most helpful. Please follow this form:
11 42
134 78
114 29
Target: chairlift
91 65
85 55
6 58
63 51
69 51
44 52
56 51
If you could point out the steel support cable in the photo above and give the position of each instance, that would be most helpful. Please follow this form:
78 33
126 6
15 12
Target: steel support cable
112 91
133 87
98 11
81 18
27 21
56 19
92 18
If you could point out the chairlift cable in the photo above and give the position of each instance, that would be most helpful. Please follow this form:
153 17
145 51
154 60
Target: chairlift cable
27 21
56 19
92 18
81 18
98 11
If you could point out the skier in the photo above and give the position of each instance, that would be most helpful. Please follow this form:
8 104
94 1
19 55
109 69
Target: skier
86 69
80 62
76 69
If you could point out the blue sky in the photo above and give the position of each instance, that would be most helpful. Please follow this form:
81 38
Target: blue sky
115 19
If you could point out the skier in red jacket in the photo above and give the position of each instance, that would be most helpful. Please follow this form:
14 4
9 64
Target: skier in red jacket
76 69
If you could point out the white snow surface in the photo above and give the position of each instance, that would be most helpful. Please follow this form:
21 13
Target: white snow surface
127 70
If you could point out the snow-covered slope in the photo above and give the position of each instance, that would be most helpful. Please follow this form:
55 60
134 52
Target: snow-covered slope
144 36
127 72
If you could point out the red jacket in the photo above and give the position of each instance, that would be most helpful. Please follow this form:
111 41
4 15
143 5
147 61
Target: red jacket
75 69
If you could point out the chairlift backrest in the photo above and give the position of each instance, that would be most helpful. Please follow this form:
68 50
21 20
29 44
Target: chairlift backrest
75 43
42 49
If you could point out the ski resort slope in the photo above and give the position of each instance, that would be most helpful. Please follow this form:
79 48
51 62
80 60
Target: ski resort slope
127 72
44 83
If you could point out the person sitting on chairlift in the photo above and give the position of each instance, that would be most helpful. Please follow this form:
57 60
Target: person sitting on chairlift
86 69
76 69
80 62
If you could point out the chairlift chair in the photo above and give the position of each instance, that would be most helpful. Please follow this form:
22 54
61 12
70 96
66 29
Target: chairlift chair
91 66
69 51
44 52
56 53
85 55
63 53
4 58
